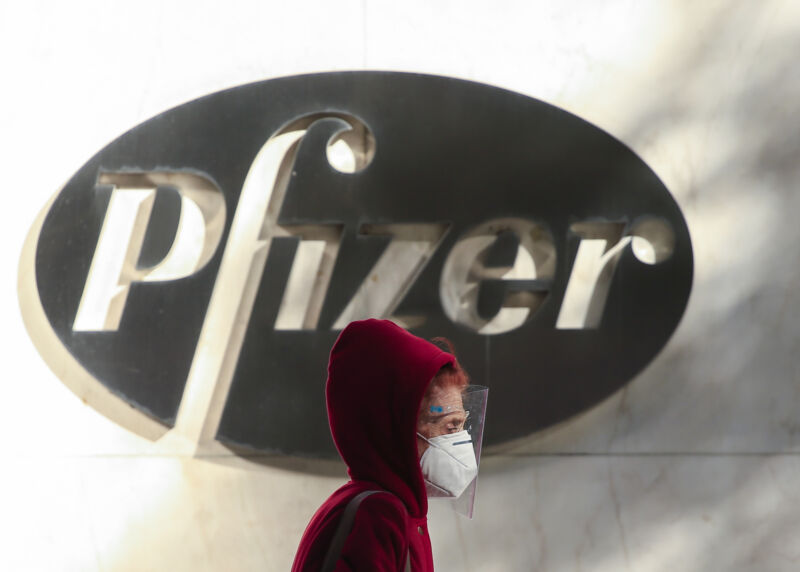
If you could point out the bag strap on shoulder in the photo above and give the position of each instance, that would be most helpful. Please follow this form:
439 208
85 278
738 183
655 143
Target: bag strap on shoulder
343 530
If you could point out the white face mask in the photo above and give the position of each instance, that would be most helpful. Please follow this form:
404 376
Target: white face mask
449 464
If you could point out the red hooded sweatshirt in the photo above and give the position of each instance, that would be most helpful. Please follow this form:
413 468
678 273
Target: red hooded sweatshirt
377 376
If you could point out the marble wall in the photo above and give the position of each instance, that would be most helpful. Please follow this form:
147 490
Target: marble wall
693 466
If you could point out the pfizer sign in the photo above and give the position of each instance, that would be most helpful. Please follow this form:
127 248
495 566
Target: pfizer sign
200 266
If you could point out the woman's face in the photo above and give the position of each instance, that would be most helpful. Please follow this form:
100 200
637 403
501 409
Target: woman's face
441 412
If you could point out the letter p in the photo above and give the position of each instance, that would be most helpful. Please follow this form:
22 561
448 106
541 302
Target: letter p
114 265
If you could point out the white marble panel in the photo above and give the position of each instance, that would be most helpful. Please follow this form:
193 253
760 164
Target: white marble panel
617 513
554 513
153 513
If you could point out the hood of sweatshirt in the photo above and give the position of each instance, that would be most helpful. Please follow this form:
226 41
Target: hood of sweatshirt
377 375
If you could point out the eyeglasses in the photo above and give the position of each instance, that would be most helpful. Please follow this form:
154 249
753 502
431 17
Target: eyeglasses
442 419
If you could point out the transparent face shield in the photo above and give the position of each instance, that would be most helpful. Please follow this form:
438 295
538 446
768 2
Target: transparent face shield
451 423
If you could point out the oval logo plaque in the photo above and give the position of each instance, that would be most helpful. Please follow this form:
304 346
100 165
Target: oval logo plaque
201 265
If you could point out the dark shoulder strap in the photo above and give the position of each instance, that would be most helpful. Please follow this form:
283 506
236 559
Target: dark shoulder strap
343 530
